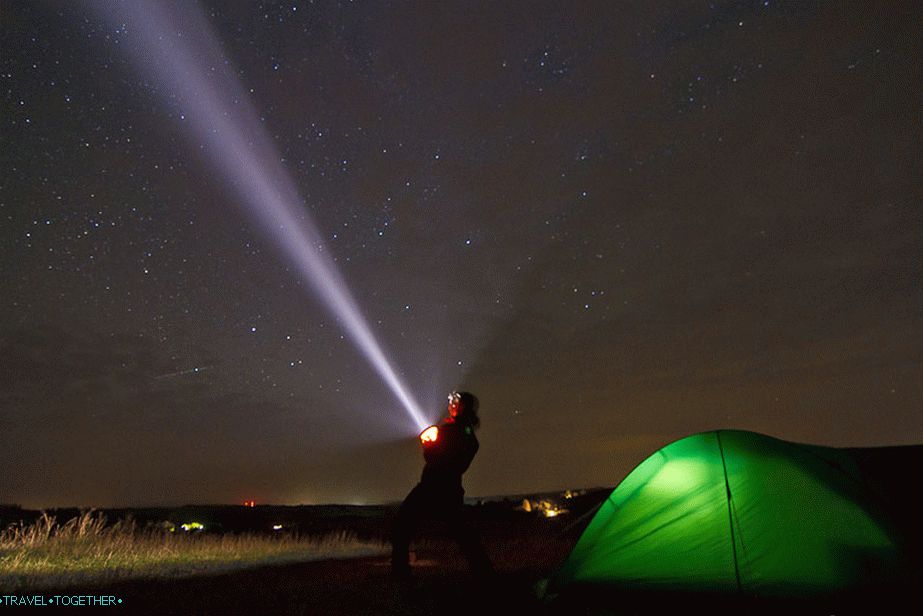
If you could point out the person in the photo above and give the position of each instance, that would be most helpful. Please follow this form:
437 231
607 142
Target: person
448 450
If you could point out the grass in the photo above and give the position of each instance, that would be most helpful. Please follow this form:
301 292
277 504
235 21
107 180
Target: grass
87 550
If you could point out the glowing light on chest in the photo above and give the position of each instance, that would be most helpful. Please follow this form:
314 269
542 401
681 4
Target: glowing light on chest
429 435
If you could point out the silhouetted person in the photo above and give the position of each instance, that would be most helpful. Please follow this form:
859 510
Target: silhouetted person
448 450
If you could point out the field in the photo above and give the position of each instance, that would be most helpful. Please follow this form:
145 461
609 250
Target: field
323 560
86 550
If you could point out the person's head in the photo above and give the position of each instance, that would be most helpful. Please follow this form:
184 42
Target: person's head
463 408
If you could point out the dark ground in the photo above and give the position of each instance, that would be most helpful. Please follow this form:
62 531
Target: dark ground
358 586
441 586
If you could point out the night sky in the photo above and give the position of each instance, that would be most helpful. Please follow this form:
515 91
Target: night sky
616 223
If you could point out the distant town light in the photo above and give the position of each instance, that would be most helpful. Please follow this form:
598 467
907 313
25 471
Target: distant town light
545 507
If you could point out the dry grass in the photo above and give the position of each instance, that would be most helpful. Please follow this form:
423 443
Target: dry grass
87 550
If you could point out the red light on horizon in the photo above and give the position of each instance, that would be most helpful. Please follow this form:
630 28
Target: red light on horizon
249 503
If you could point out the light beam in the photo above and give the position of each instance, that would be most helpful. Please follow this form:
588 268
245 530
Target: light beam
176 47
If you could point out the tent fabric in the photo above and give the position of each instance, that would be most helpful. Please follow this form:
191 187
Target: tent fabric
743 512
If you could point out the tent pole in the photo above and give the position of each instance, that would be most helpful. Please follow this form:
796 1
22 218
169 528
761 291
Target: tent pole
727 486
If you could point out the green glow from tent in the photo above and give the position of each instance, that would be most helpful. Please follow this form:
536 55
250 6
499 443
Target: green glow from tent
672 478
738 512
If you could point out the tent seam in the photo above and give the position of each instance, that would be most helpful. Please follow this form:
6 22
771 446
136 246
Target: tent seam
727 486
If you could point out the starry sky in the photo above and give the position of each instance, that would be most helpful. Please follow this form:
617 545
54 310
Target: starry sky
616 223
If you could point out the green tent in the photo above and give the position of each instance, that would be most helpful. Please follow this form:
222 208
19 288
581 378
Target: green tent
746 513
